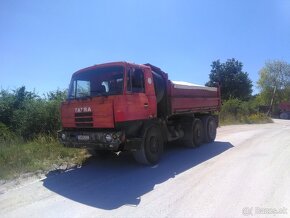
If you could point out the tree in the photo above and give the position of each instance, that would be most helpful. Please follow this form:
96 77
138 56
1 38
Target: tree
10 102
57 95
274 82
233 81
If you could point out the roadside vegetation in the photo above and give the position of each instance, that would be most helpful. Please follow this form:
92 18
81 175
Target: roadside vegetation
41 154
28 126
235 111
274 84
238 103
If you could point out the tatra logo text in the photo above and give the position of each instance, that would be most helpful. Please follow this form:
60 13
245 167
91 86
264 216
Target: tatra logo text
83 109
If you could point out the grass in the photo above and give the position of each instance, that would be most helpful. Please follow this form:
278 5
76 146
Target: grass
257 118
43 153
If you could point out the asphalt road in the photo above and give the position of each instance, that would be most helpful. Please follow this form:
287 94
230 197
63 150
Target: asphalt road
246 172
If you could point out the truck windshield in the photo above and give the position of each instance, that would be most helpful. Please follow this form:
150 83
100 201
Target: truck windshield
97 82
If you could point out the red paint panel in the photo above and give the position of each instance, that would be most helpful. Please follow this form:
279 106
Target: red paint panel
195 100
131 107
101 108
137 106
103 115
194 104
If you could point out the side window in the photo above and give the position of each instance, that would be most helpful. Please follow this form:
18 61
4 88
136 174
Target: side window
135 81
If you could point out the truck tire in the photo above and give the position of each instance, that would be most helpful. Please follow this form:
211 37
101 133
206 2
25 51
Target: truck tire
152 147
193 133
198 132
210 126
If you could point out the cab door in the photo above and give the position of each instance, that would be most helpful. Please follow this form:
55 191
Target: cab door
137 100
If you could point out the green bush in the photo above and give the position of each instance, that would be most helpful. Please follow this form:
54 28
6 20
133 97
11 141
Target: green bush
6 134
28 126
27 115
235 111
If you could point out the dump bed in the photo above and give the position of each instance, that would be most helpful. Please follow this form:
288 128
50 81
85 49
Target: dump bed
188 97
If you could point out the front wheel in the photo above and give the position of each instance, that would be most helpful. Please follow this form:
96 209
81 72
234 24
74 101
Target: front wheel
151 148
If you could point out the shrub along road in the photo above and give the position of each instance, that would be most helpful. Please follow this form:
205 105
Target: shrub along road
245 172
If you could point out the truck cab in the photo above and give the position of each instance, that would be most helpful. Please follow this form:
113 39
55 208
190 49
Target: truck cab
107 105
121 106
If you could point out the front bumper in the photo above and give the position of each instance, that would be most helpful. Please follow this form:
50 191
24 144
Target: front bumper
103 140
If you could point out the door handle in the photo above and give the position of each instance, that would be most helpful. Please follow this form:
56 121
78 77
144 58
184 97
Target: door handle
146 105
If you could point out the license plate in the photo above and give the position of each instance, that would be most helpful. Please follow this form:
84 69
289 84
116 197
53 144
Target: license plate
83 137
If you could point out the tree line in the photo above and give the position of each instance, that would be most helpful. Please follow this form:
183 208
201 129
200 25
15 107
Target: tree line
273 83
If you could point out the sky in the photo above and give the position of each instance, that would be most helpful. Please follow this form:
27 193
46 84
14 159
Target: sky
43 42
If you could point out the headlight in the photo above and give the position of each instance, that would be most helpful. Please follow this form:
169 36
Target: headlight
108 137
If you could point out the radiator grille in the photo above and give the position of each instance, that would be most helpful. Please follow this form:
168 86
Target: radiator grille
84 119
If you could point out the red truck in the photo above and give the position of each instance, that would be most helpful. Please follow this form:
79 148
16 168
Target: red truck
122 106
284 110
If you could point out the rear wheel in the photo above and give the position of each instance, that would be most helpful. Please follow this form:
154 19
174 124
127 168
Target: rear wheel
210 127
193 133
152 147
198 132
